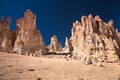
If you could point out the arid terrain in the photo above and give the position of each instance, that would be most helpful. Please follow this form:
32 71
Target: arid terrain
21 67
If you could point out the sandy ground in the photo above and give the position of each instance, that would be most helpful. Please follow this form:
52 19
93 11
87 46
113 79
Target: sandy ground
19 67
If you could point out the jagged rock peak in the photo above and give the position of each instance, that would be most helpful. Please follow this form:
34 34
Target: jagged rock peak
97 18
55 45
6 36
28 22
111 23
94 37
68 46
2 19
29 39
28 11
54 38
5 24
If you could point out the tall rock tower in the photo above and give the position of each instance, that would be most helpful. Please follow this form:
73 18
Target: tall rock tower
29 39
6 36
54 45
93 38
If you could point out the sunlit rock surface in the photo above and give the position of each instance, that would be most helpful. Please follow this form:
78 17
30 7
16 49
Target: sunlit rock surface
93 39
68 46
29 38
54 45
6 36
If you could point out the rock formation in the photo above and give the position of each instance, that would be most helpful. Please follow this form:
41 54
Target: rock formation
94 39
54 45
68 46
6 36
29 39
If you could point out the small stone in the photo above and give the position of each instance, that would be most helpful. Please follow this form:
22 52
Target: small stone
37 77
19 70
80 78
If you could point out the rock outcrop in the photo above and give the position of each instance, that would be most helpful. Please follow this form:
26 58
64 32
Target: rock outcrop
68 46
94 39
29 38
54 45
6 36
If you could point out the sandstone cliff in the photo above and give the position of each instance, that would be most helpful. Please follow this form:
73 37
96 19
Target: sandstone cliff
6 36
93 38
29 38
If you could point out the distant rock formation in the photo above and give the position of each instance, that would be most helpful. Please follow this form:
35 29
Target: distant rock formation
94 39
68 46
54 45
29 39
6 36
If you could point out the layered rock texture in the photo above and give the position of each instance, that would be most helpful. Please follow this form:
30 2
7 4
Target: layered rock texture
68 46
54 45
6 36
91 39
29 39
94 39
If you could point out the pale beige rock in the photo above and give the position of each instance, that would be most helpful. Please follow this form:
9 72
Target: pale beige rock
29 39
93 38
54 45
68 46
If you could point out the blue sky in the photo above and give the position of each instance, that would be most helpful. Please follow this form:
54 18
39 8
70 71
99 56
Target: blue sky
57 16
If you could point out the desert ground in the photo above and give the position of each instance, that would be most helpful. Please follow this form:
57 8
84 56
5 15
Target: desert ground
23 67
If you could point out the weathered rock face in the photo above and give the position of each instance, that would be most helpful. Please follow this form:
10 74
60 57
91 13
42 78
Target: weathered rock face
29 39
54 45
68 46
93 38
6 36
